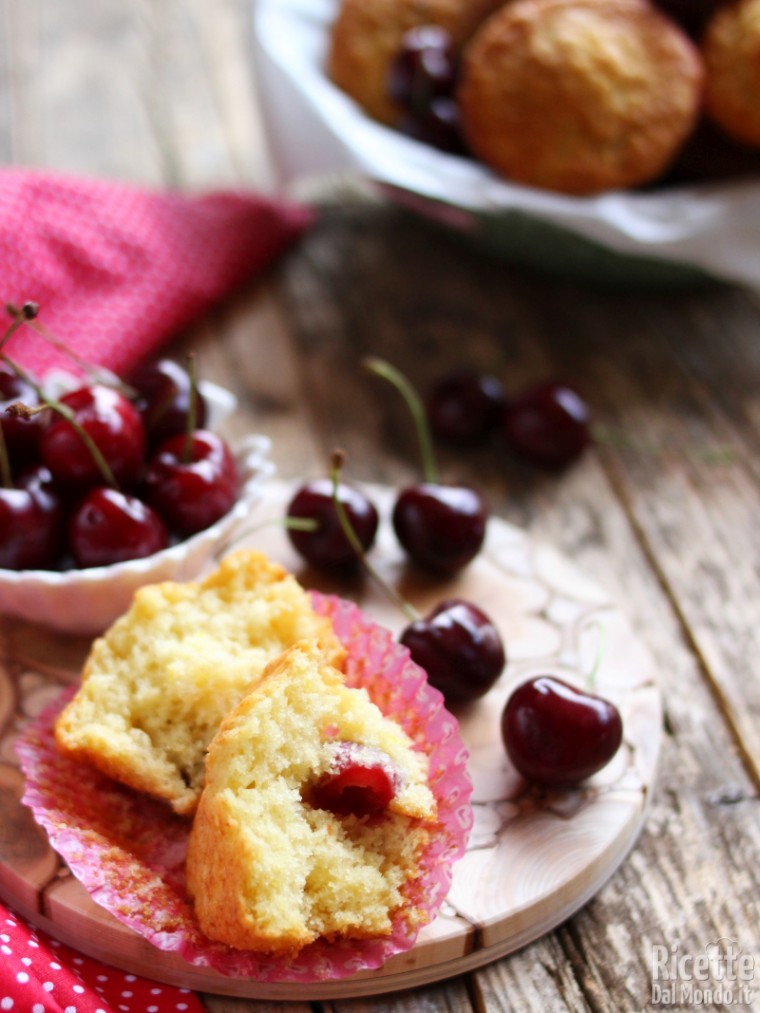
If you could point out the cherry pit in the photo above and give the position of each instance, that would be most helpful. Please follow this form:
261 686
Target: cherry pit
111 470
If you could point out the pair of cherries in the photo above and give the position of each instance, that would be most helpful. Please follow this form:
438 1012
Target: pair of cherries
547 424
107 472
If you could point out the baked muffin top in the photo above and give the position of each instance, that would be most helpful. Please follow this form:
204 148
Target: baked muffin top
579 96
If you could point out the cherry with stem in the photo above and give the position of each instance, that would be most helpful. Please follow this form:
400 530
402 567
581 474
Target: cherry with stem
192 479
441 526
22 435
331 526
355 542
20 410
168 398
557 734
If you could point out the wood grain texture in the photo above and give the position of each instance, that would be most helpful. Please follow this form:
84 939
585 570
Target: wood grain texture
662 513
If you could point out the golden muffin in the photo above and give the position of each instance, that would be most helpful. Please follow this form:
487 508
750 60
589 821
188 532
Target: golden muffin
283 851
367 34
731 51
157 684
579 96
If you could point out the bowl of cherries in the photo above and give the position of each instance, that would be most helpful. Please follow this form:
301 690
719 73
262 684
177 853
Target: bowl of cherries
108 484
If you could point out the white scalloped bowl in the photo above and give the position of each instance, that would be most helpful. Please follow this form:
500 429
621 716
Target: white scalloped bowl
85 602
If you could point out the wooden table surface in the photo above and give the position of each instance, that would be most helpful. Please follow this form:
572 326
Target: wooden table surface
663 512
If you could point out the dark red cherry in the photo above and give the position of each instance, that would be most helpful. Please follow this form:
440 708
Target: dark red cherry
361 781
436 125
459 648
548 425
112 423
424 68
465 407
164 395
691 15
31 522
111 527
441 527
191 484
558 735
328 545
22 434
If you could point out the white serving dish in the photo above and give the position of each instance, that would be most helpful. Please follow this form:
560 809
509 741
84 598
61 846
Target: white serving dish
85 602
316 130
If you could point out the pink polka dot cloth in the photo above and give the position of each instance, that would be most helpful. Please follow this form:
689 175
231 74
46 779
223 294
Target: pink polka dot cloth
41 975
118 269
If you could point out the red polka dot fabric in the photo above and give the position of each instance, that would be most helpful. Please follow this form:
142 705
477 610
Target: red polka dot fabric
118 269
41 975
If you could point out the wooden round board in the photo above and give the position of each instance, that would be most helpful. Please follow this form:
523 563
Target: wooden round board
534 857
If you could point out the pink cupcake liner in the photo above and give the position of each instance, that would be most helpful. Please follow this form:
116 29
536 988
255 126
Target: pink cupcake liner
129 851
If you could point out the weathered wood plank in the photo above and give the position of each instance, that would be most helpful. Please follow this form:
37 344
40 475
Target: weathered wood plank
449 997
683 467
223 1004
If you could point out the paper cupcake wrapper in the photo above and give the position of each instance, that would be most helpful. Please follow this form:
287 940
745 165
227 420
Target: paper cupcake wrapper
129 851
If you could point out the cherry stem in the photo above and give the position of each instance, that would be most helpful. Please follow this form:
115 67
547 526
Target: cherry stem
337 462
61 409
21 316
293 523
192 411
97 373
593 674
18 370
103 466
414 403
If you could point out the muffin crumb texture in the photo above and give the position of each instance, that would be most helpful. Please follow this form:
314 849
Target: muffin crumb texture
157 684
579 96
267 870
